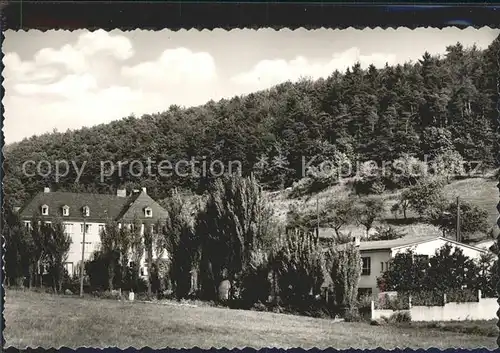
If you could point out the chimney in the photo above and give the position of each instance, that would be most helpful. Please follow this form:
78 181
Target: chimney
121 192
144 190
356 241
46 190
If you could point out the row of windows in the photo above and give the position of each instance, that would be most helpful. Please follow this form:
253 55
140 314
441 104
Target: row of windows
68 266
68 227
384 266
148 212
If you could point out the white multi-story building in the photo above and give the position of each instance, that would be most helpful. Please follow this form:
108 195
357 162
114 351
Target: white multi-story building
92 211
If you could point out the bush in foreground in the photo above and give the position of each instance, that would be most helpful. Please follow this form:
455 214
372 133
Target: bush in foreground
400 317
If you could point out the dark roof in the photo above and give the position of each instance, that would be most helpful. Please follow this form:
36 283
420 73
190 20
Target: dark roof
102 206
136 205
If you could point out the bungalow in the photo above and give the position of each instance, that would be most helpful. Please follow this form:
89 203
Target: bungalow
88 213
377 254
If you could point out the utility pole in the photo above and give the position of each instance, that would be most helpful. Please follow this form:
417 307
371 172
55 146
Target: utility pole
83 256
458 219
317 216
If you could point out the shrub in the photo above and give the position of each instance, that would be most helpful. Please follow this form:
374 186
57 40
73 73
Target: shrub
462 296
365 302
387 233
71 283
98 273
427 298
145 297
259 307
377 322
400 317
297 262
301 188
352 315
255 284
399 302
115 295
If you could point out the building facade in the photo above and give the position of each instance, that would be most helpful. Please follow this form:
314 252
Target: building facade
376 255
88 213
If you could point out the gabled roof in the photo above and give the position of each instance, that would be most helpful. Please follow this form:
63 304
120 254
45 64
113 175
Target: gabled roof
404 242
136 205
102 206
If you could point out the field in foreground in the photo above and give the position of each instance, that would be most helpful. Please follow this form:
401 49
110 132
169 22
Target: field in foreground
34 319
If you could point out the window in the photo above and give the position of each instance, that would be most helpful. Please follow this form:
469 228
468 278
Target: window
144 271
68 266
363 292
27 225
382 267
366 269
87 228
86 211
45 210
148 212
65 210
68 228
101 228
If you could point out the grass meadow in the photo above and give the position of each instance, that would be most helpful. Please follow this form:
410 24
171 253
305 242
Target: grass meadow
38 319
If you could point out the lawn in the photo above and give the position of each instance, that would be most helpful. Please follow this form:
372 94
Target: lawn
482 327
34 319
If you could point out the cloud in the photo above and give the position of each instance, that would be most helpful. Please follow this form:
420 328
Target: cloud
173 67
76 57
86 83
69 86
67 70
28 115
267 73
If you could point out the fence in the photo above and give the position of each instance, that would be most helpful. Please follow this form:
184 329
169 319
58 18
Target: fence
482 309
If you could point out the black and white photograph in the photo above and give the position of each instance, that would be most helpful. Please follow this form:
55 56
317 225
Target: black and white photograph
251 188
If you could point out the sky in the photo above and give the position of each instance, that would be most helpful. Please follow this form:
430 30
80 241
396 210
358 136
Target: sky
65 80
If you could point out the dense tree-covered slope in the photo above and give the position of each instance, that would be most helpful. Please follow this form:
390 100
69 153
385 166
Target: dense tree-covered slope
418 108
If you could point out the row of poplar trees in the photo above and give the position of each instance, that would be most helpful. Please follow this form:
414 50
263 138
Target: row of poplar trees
34 256
232 237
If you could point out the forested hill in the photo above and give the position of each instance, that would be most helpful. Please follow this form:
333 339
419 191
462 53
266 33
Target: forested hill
374 114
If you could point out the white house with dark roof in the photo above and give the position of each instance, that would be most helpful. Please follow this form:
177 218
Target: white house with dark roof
93 210
377 254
